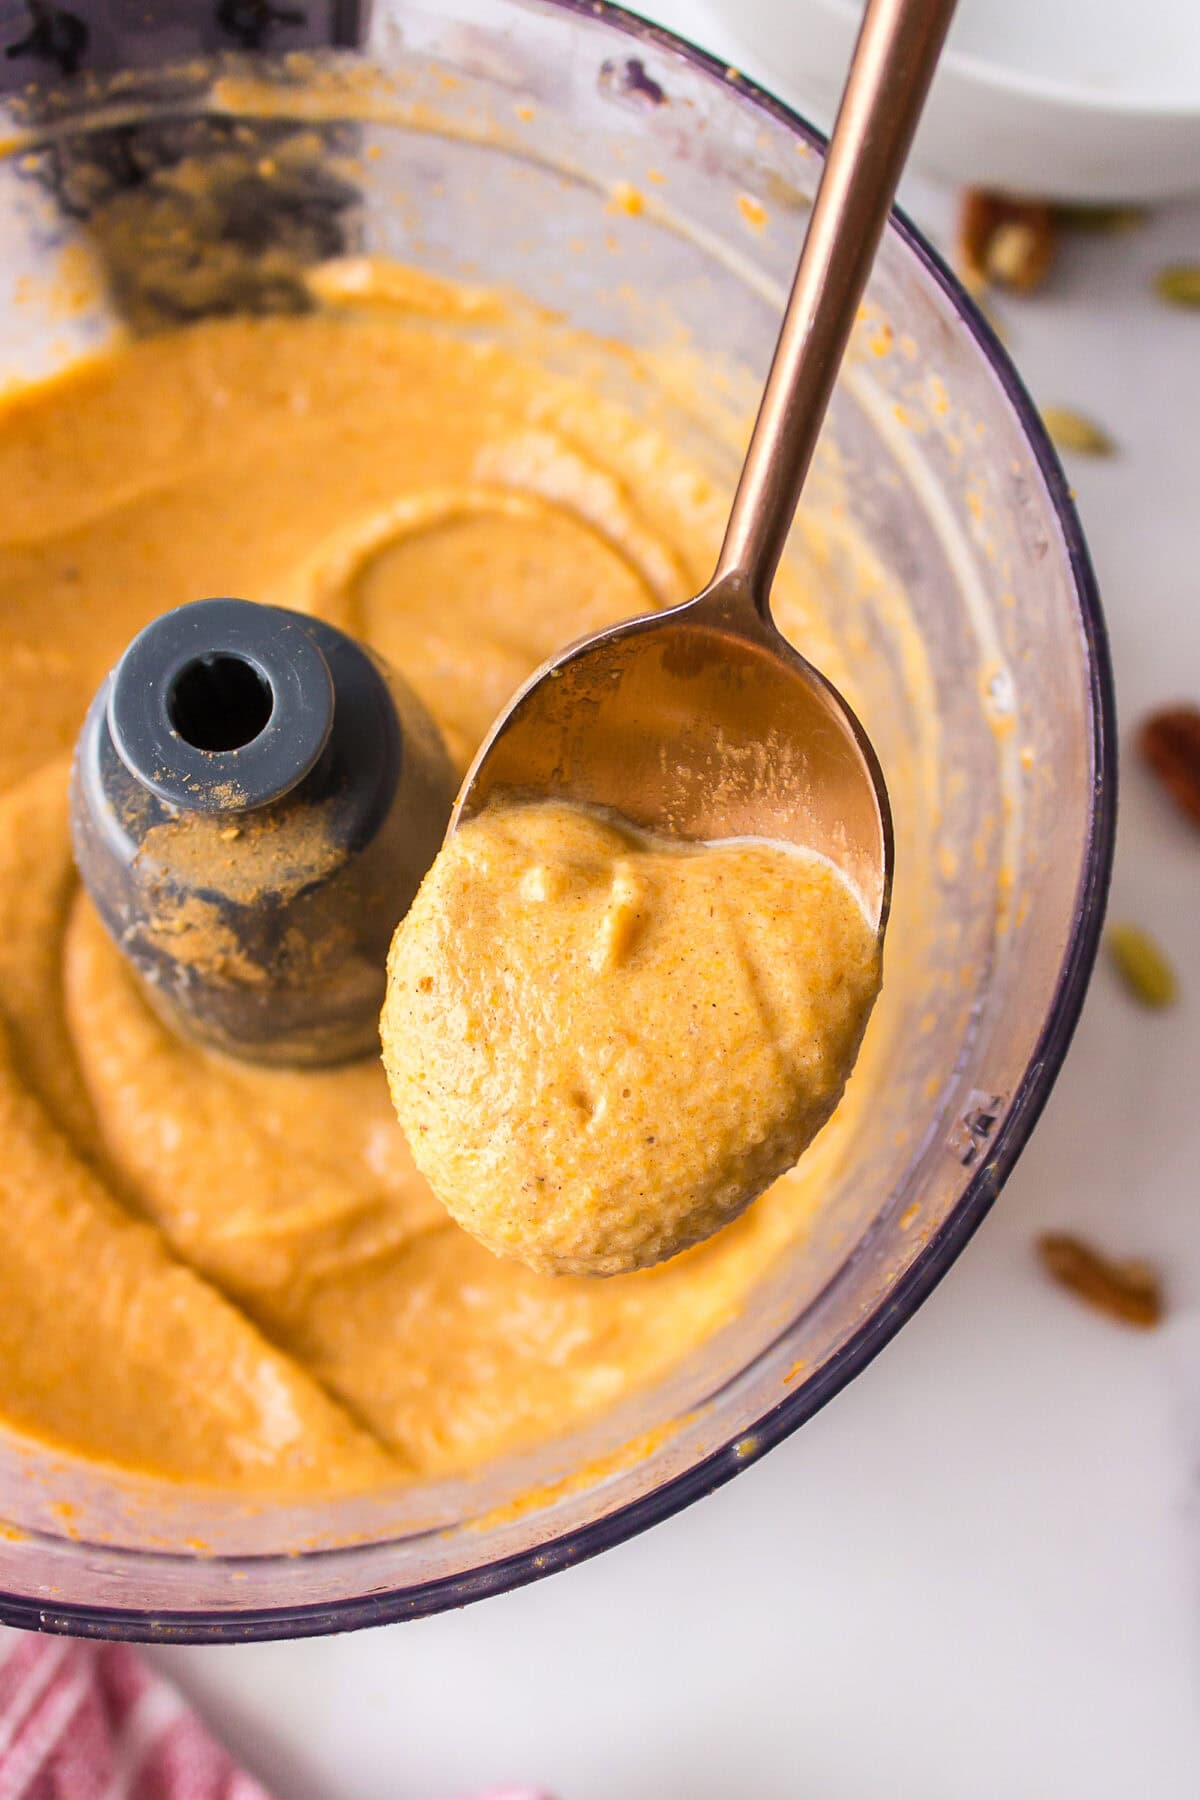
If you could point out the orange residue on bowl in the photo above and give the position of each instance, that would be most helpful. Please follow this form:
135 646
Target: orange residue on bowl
66 1514
1006 880
753 211
996 693
73 286
525 114
796 1369
589 1474
625 198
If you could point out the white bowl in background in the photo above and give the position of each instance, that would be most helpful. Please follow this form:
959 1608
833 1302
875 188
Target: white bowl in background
1071 99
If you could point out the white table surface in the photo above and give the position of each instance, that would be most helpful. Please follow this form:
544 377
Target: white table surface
976 1575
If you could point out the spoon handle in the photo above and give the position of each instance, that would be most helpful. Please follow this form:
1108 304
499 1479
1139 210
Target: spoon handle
894 59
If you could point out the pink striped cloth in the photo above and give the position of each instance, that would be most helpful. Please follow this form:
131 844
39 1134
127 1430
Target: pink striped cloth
83 1721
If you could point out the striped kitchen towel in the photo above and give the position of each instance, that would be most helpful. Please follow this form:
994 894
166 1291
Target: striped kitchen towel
84 1721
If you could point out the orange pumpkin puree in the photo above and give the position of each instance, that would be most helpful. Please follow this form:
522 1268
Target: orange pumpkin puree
228 1275
603 1047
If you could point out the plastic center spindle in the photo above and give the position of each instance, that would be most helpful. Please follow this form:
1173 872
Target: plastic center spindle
255 799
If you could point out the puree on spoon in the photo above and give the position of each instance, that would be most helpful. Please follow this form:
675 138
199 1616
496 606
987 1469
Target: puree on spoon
602 1047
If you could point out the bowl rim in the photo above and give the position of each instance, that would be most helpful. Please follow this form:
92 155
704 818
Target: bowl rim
1077 96
720 1465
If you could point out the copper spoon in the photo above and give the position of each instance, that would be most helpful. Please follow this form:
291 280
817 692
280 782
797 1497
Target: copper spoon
701 721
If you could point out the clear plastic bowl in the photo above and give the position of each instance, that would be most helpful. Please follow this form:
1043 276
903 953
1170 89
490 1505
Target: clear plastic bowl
496 150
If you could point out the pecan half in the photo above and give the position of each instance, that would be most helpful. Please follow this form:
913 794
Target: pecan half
1169 741
1127 1290
1010 242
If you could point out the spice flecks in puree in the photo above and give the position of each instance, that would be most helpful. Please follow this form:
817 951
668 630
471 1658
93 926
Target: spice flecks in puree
232 1275
603 1047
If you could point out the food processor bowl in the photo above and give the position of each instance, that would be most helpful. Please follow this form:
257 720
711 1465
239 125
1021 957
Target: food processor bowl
641 197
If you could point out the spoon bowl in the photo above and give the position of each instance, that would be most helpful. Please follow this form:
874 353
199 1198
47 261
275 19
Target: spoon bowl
703 722
699 723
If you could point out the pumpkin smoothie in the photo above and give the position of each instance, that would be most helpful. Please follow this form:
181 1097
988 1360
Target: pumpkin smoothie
236 1276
